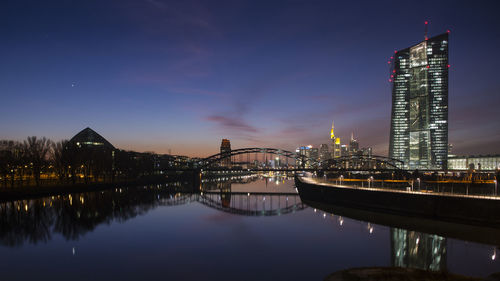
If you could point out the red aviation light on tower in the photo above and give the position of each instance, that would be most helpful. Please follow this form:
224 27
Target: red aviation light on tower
448 31
448 66
425 35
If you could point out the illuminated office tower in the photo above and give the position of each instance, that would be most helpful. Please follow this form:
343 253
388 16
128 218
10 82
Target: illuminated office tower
335 143
419 118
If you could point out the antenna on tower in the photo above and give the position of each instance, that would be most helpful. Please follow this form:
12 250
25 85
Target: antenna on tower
426 24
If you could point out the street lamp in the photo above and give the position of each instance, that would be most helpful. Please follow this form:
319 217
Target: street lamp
495 181
341 178
370 180
418 180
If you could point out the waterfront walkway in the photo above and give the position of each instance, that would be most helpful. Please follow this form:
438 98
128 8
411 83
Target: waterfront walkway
409 190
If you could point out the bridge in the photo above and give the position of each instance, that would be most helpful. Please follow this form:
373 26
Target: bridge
216 158
302 162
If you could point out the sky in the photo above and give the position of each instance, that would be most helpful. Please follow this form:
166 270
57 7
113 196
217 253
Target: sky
153 75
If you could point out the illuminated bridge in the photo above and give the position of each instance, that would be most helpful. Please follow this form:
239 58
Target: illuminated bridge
297 158
302 162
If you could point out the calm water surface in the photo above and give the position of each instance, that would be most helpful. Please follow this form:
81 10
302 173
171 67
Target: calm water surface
251 229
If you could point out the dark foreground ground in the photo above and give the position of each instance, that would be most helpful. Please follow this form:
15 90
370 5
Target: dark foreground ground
397 273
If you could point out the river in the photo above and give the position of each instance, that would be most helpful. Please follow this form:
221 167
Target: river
246 228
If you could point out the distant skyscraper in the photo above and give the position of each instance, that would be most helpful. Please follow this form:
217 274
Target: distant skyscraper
324 152
335 143
419 118
353 145
307 151
344 150
225 149
314 153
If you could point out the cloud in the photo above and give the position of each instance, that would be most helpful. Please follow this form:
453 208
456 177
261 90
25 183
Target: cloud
234 123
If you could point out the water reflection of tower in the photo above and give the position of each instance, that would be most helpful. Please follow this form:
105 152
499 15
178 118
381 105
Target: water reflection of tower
225 193
417 250
225 150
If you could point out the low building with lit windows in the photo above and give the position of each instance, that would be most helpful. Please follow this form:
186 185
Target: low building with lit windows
474 162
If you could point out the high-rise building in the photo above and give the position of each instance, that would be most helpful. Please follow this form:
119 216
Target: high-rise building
324 152
225 150
309 152
335 143
314 153
353 145
419 118
344 150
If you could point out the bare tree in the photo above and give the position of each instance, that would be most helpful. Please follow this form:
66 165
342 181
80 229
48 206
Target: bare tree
11 160
60 159
36 152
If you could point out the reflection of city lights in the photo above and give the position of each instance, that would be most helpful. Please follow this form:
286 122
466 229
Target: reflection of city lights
315 210
248 194
371 230
494 256
324 215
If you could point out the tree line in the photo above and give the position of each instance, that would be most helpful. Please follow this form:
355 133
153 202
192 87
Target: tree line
37 161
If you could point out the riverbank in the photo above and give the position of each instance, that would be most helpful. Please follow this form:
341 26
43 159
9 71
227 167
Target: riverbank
31 192
474 210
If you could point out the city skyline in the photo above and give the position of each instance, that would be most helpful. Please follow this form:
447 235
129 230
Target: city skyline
158 76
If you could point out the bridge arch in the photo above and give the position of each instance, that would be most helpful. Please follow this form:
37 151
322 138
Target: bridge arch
210 160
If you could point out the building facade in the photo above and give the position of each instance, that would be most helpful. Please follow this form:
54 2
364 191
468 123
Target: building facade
474 162
419 117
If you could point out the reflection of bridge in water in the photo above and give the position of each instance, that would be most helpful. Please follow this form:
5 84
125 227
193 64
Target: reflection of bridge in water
240 203
253 204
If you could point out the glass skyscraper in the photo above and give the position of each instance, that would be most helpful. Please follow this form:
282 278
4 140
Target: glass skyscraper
419 118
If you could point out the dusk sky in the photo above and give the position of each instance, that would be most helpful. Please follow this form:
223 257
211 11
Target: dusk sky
153 75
